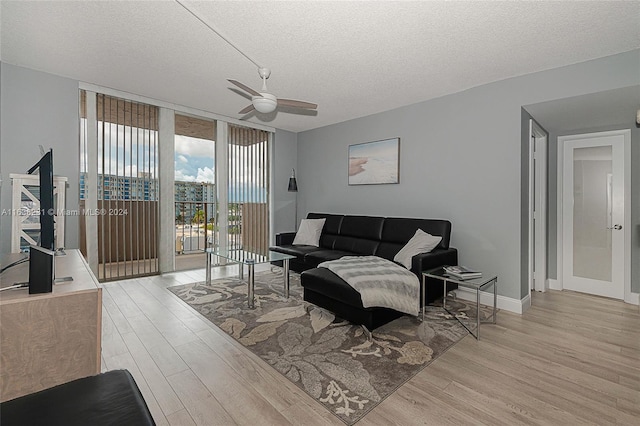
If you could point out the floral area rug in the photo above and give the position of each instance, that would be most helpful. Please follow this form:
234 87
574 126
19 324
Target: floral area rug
330 359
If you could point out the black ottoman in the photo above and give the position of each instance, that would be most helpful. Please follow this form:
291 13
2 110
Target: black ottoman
325 289
111 398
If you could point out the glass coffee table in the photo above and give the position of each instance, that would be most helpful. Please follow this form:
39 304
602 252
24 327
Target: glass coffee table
242 258
475 283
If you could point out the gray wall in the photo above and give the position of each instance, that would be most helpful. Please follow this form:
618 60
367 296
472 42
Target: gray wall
38 109
460 160
285 159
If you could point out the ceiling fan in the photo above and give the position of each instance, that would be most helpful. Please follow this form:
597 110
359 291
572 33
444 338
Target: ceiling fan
263 101
266 102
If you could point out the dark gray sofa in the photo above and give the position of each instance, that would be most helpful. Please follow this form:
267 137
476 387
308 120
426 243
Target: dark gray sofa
347 235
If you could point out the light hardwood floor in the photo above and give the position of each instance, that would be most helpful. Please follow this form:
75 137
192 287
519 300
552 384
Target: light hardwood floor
571 359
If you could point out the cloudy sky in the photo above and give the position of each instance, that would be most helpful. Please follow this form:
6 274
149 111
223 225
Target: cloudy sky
194 162
194 159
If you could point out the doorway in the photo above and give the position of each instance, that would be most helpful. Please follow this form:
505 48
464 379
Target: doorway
194 190
594 196
537 267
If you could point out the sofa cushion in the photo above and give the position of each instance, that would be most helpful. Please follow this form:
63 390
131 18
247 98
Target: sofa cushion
294 250
325 282
356 245
309 232
388 250
331 228
400 230
327 241
366 227
319 256
421 242
332 223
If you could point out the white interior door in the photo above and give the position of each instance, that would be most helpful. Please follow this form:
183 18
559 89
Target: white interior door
537 207
593 209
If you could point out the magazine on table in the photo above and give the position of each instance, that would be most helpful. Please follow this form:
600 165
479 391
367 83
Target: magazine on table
462 272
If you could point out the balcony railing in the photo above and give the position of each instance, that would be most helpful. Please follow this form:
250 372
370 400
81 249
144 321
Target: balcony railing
195 226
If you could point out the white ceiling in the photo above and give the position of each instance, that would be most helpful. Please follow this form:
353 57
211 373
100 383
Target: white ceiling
351 58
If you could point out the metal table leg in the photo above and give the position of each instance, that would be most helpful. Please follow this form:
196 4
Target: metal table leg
207 279
495 306
286 277
477 313
422 295
495 299
241 271
251 286
444 297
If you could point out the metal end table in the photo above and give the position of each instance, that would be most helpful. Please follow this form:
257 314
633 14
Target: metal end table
474 283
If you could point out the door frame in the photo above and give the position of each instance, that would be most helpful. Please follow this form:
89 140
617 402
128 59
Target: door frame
537 273
626 227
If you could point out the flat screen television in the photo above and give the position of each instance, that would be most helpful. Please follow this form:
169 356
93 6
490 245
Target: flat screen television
41 270
44 167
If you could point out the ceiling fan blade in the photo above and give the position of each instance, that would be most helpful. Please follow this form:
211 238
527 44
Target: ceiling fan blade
245 88
296 104
247 109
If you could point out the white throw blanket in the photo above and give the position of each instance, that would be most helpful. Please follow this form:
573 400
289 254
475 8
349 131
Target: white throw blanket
380 282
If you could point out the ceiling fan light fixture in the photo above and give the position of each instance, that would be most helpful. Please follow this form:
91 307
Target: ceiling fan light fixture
265 104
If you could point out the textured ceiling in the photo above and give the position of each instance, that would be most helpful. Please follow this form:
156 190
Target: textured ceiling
351 58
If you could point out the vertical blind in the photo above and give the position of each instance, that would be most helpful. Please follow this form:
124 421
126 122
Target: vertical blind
248 198
127 187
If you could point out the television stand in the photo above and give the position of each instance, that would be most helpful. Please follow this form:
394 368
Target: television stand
49 338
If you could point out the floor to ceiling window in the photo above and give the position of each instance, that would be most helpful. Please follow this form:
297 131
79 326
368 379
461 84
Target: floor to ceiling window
126 183
158 186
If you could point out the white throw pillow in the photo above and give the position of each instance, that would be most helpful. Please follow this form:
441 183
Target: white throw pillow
421 242
309 232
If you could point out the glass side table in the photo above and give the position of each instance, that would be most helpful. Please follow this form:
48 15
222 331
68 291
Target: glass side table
475 283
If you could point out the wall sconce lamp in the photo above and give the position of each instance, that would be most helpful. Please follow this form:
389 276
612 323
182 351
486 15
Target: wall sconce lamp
293 184
293 187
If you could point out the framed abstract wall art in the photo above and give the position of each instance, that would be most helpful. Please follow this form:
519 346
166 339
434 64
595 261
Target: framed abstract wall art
375 163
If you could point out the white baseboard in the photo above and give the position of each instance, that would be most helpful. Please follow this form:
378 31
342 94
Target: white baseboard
486 298
554 284
525 303
633 298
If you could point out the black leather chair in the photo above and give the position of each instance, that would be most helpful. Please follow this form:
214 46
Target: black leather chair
110 398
